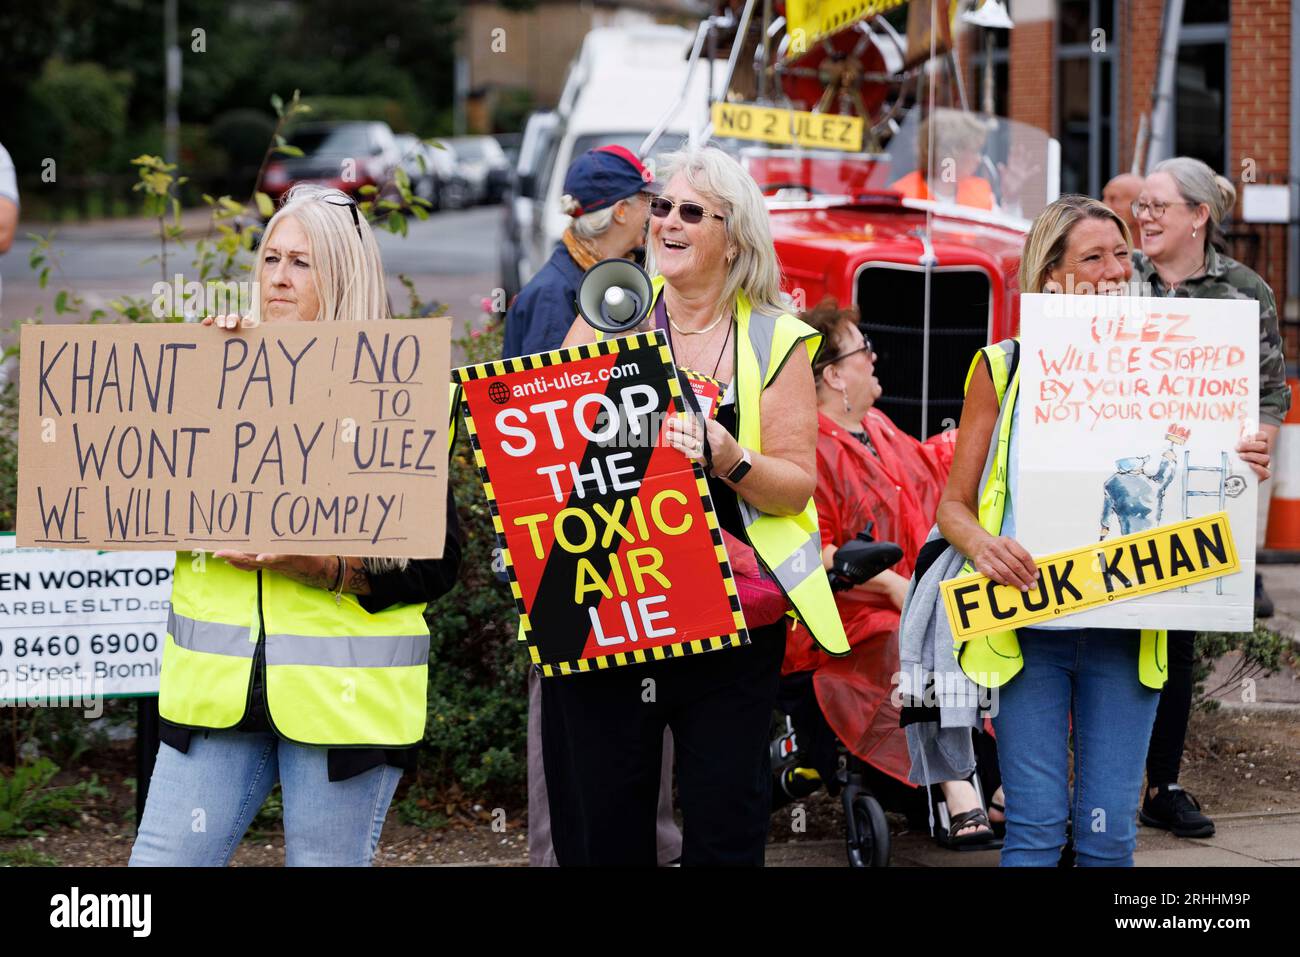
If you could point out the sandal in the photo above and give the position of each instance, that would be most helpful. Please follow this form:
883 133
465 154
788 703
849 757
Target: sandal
999 827
980 840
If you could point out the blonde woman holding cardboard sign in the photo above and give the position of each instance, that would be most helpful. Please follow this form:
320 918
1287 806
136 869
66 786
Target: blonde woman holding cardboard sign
1100 684
325 691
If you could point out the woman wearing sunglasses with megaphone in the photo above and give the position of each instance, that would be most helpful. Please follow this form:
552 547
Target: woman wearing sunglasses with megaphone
605 193
716 295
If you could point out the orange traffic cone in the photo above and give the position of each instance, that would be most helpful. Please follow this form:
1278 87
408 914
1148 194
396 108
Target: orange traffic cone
1284 511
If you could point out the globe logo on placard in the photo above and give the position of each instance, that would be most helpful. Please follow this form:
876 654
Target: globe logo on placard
498 393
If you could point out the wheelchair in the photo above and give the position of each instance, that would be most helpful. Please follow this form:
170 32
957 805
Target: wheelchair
799 773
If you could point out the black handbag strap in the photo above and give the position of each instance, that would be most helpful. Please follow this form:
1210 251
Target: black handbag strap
684 382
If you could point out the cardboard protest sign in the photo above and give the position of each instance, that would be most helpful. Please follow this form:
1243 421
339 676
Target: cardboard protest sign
1130 410
1130 566
293 438
613 549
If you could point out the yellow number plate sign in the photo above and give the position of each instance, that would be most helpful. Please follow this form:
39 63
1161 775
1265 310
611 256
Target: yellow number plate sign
1139 564
823 131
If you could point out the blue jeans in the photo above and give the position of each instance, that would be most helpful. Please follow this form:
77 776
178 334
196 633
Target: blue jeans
1088 677
201 803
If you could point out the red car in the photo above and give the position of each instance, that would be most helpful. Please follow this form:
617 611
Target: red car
346 156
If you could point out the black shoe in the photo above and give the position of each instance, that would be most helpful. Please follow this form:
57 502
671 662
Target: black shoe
1175 810
1263 604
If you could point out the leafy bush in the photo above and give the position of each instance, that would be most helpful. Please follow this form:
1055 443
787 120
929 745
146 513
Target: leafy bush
478 700
1263 652
28 803
84 111
26 856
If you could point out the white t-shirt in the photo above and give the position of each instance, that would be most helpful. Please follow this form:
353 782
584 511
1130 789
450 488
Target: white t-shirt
8 176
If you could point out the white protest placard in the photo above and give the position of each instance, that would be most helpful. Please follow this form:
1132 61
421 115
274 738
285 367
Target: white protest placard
80 624
1130 410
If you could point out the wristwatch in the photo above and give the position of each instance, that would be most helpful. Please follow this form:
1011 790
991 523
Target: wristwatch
742 467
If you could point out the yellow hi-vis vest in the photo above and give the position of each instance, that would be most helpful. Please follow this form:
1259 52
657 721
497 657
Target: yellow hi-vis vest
997 656
336 675
789 546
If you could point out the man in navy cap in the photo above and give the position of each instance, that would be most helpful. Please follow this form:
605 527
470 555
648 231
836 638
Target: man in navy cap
606 192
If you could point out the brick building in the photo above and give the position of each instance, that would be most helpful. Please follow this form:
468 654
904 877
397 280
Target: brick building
1085 71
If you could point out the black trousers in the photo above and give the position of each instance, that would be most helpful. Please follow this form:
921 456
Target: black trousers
602 739
1169 733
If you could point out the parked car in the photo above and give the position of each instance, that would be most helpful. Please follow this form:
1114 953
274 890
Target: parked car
433 172
481 162
534 144
346 156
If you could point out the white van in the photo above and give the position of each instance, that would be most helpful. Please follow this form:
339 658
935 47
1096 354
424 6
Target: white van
620 86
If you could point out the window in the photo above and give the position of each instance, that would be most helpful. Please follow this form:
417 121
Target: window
1200 115
1086 94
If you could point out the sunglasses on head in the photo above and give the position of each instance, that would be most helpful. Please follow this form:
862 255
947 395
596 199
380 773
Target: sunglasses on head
351 204
689 212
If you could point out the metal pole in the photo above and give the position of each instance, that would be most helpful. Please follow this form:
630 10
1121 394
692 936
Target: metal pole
652 138
741 31
1161 147
988 73
172 62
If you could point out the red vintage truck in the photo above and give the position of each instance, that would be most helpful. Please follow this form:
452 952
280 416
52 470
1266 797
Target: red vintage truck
920 222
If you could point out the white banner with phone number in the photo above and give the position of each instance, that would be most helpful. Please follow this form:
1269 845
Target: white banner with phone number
80 624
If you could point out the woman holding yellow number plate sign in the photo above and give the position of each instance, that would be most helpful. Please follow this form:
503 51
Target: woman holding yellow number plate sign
1102 683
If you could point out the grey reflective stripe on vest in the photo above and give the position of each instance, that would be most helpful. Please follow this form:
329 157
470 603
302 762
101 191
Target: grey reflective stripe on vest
762 332
210 637
353 651
799 564
802 562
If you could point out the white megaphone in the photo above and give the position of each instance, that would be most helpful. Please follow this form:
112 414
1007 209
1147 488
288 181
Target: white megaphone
614 296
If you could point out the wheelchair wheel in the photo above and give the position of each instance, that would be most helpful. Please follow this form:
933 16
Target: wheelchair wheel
867 833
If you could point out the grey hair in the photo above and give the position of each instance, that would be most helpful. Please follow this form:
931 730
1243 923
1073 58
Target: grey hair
717 176
587 225
1200 185
381 565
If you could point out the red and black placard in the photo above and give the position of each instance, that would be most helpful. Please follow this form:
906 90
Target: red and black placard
610 538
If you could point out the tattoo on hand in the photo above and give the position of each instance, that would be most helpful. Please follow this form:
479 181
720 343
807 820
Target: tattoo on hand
358 581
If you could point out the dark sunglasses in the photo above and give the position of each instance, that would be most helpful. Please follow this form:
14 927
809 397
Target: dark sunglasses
351 204
866 347
690 212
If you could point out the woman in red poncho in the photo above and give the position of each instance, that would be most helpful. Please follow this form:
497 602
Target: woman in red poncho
870 476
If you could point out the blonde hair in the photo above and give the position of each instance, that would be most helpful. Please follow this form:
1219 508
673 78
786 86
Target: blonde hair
346 268
345 262
1199 185
1050 235
718 177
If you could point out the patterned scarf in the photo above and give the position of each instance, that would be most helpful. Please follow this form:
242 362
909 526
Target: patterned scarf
580 250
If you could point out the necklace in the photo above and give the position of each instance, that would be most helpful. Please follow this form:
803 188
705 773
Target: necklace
698 332
721 352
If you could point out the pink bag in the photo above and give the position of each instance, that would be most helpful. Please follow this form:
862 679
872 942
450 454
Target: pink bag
761 598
